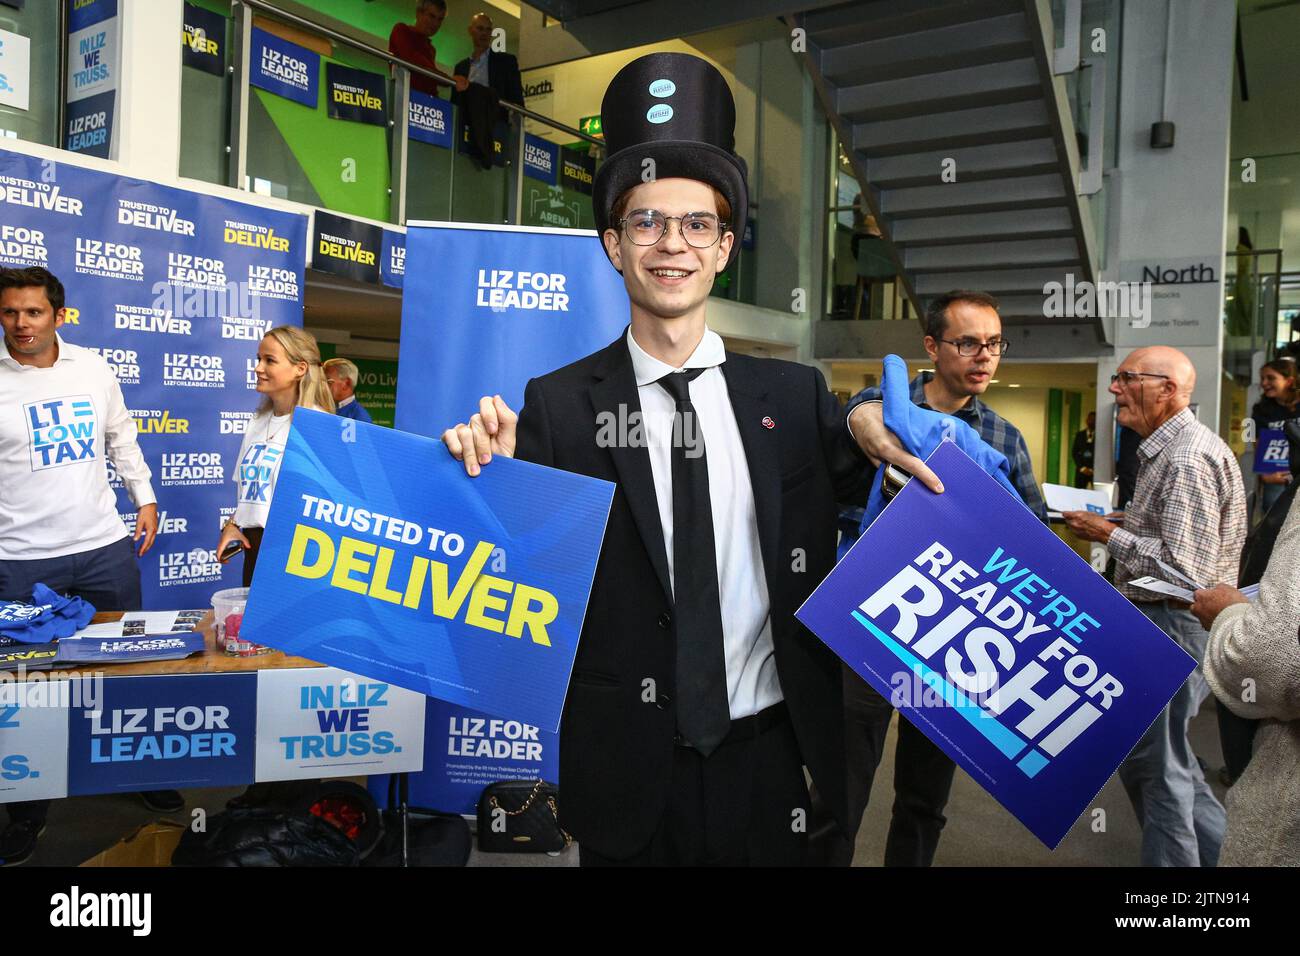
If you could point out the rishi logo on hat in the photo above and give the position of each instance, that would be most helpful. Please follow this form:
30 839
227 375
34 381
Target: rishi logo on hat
659 113
662 88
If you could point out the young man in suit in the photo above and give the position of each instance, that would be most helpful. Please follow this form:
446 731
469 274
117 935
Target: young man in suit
697 699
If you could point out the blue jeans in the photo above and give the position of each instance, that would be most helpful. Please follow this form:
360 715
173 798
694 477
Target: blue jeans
1182 821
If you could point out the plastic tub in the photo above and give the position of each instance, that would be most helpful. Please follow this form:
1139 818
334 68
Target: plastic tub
228 617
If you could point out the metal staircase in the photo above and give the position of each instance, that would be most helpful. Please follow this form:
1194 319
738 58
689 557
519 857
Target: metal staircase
922 88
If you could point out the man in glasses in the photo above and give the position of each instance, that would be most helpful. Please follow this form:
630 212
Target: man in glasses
1187 519
963 337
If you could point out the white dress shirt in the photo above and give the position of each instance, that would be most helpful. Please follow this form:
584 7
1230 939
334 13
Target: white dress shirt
58 427
752 684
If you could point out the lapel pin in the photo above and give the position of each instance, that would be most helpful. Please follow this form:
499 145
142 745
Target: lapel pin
767 422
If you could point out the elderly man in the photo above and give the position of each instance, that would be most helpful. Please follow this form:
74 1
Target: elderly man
1189 513
341 376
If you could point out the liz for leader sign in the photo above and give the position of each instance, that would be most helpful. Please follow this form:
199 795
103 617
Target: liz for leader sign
998 642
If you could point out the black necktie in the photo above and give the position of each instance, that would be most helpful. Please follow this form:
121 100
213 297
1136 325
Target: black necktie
703 715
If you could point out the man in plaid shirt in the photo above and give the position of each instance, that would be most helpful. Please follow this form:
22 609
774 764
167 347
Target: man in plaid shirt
1189 513
964 341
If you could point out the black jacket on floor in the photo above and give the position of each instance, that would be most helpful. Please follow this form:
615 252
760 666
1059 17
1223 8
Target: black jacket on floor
616 748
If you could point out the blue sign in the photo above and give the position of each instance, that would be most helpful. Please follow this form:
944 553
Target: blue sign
541 159
429 120
174 290
998 642
1272 452
392 260
284 68
466 750
160 733
86 13
90 125
383 558
522 302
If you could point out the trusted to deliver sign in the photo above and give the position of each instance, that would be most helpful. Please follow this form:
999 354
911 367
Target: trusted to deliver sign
998 642
383 558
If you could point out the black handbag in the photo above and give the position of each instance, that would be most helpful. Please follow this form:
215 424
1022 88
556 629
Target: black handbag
520 816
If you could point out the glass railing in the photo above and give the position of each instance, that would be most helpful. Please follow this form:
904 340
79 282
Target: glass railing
378 150
1252 286
861 276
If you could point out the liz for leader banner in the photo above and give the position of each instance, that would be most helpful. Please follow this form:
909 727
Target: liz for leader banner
486 308
382 557
175 290
998 642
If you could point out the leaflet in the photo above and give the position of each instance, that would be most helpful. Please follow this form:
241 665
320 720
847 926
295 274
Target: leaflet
140 623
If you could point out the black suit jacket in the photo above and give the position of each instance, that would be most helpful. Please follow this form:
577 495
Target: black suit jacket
616 746
503 77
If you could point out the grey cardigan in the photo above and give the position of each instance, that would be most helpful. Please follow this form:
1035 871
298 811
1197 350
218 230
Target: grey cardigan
1254 653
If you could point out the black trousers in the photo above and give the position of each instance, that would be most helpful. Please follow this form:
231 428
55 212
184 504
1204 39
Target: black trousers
922 774
254 536
746 804
1237 738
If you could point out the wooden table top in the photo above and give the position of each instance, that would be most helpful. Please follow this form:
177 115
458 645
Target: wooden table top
212 661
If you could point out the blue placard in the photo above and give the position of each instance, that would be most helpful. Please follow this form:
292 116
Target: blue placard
523 302
541 159
90 125
998 642
284 68
86 13
392 261
123 650
1272 452
429 120
382 557
466 750
166 732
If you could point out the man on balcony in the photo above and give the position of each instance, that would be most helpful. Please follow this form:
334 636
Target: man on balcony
413 42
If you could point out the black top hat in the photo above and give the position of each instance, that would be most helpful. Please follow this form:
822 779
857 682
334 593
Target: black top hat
676 109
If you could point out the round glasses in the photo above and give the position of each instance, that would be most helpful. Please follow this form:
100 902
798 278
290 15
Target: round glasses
645 227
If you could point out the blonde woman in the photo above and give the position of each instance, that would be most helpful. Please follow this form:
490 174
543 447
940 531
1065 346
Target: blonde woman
289 375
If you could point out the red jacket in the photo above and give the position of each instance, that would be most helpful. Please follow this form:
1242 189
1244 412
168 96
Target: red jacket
416 48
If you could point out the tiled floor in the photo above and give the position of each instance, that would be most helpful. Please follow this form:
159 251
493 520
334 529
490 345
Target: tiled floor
979 831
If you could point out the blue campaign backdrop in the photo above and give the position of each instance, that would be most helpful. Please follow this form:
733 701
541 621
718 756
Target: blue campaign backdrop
381 557
998 642
175 290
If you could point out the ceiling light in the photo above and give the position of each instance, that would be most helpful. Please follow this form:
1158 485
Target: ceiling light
1013 386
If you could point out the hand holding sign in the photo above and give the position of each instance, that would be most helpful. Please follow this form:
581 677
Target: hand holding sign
490 432
997 642
867 426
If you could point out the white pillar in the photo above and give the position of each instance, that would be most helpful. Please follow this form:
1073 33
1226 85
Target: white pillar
149 127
